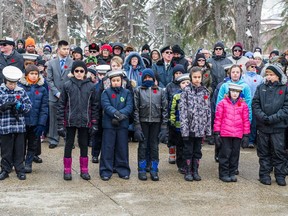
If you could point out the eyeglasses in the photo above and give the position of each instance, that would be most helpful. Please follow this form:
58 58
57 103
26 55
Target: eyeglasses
201 60
93 51
167 52
79 71
218 49
237 50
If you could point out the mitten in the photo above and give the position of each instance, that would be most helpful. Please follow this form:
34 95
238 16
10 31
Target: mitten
39 129
115 122
61 131
138 135
163 135
217 139
245 141
6 106
120 116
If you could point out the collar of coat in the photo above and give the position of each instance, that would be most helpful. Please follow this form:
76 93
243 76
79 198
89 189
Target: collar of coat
153 87
24 81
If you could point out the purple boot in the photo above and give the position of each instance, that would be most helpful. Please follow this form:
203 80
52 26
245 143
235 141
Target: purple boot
67 168
84 168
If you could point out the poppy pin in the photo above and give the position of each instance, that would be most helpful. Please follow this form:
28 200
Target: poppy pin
12 60
18 97
65 66
113 96
37 92
280 92
140 73
255 80
205 97
206 75
155 91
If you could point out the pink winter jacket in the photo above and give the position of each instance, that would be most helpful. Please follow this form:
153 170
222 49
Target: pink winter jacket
232 120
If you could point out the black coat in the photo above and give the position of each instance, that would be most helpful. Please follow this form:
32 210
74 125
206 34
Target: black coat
271 100
79 106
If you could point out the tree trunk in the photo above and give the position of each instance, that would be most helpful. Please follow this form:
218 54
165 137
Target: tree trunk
62 20
255 21
1 20
23 18
217 17
241 14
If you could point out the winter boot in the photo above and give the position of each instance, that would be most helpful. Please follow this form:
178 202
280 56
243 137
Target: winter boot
142 170
67 168
154 171
84 168
188 172
216 155
280 181
28 162
195 168
172 155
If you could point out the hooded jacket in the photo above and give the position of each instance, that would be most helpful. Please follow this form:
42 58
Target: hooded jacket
136 73
38 95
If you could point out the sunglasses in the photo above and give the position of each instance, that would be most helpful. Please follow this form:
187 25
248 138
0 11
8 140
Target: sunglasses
3 44
252 66
201 60
218 49
93 51
79 71
168 52
237 50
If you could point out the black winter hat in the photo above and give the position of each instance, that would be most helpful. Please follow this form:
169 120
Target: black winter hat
41 62
78 64
219 44
177 49
178 67
146 47
163 49
199 56
21 51
78 50
276 52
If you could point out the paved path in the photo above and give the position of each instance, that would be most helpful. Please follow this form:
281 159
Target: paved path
46 193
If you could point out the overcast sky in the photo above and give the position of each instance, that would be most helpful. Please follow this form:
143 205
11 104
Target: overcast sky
271 9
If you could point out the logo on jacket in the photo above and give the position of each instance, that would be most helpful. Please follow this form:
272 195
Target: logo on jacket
122 99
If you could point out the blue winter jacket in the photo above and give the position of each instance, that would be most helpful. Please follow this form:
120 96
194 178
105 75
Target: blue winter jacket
38 96
253 80
134 75
246 94
165 76
112 101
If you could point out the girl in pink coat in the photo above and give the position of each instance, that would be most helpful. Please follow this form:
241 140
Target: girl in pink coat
231 129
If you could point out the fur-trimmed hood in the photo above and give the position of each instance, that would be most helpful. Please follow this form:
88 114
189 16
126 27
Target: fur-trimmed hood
40 82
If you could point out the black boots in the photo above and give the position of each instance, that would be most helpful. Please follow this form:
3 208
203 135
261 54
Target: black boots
188 171
195 167
28 162
3 175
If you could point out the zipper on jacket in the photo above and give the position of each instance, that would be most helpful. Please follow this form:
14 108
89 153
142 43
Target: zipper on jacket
150 103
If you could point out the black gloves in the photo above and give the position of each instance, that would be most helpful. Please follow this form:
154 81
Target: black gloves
245 141
8 105
138 134
39 130
217 139
119 116
61 132
93 130
163 135
115 122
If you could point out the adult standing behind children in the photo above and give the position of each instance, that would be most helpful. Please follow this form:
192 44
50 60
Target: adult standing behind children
57 72
270 106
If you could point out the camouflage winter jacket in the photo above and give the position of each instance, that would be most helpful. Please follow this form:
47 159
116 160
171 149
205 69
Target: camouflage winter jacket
195 112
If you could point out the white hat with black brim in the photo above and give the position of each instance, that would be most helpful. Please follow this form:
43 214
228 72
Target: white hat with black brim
12 73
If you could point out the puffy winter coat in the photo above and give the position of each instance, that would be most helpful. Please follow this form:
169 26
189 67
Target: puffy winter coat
195 111
14 59
252 79
150 105
232 120
271 100
241 61
165 76
78 105
112 101
8 122
38 95
246 94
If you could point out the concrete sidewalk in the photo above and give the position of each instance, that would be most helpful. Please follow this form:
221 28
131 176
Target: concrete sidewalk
46 193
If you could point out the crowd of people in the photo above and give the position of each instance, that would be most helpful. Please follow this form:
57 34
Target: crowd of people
111 94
